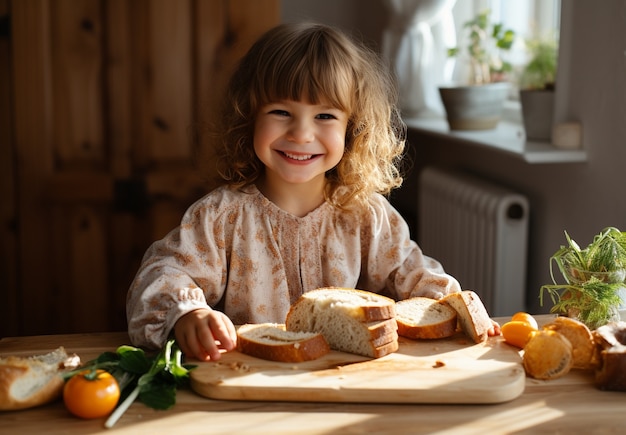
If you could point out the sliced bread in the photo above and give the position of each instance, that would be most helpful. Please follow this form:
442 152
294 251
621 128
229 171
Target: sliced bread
381 351
26 382
342 316
361 305
344 333
272 342
425 318
471 313
381 332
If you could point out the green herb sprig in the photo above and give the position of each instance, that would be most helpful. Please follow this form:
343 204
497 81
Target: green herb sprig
593 302
593 277
151 380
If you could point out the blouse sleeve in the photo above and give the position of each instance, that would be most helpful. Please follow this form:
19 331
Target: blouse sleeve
176 276
396 263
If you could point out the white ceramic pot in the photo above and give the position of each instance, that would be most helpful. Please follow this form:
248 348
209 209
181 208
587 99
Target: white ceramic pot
474 107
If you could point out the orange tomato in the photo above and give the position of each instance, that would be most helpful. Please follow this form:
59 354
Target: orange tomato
525 317
91 394
517 332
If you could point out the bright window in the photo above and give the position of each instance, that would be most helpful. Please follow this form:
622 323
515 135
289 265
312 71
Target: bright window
528 18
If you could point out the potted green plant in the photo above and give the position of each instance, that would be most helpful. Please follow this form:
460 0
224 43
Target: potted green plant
537 85
477 104
594 278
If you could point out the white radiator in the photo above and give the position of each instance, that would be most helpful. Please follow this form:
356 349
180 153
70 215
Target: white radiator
479 232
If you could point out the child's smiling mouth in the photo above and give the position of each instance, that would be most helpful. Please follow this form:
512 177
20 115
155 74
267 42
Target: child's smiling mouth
300 157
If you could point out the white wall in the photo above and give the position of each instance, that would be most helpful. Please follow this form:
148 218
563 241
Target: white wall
580 198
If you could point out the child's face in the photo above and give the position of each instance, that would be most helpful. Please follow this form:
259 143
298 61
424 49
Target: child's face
297 141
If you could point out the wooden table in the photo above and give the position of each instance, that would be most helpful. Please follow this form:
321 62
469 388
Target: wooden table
567 405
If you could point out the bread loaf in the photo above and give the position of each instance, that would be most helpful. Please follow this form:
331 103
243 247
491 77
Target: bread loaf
272 342
611 342
425 318
350 320
472 315
361 305
26 382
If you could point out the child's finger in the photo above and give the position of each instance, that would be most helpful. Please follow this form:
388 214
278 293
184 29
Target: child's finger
224 331
495 329
190 346
206 342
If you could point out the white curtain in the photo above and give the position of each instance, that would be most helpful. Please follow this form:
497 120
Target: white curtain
415 45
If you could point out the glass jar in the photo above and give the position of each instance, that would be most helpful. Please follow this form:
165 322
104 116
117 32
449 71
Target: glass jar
577 277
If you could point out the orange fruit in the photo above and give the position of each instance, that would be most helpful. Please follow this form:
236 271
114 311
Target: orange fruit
517 332
91 394
525 317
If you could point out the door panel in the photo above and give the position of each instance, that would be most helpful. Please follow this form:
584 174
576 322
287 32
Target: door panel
75 64
108 99
8 204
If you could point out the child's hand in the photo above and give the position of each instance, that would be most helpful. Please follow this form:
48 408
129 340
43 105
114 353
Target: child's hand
203 332
495 329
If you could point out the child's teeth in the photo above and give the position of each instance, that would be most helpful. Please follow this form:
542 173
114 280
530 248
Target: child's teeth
298 157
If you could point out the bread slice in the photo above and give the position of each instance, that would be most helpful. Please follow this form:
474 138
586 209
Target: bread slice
382 332
583 347
547 355
342 332
341 315
272 342
385 349
26 382
610 341
361 305
425 318
471 314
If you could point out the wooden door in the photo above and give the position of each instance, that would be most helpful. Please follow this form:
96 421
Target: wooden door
105 148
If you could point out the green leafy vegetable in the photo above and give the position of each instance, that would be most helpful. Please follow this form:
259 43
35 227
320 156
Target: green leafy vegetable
594 275
152 381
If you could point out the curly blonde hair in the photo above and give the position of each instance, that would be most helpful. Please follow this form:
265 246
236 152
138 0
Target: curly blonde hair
321 64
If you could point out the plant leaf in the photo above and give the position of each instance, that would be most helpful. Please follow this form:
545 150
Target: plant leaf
134 361
158 395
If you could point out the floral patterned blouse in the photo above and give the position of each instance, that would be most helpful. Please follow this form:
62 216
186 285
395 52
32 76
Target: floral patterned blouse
238 252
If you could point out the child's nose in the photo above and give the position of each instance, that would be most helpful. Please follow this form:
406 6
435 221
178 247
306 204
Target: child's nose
301 132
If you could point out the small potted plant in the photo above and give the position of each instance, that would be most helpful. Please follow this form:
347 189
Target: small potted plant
594 278
477 104
537 85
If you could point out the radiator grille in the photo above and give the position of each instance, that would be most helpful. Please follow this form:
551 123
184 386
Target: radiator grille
478 231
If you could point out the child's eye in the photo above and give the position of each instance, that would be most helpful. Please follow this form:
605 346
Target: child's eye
326 116
279 112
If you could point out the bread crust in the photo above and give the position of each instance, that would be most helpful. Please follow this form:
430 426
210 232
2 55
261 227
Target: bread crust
434 319
368 307
472 315
385 349
547 355
280 345
382 332
45 371
610 341
583 347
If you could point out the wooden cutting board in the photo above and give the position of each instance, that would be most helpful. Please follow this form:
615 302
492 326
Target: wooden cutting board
453 370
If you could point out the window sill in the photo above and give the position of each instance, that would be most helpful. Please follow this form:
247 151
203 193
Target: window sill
508 137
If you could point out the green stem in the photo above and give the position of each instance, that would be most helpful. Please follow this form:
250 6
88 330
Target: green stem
120 410
91 367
